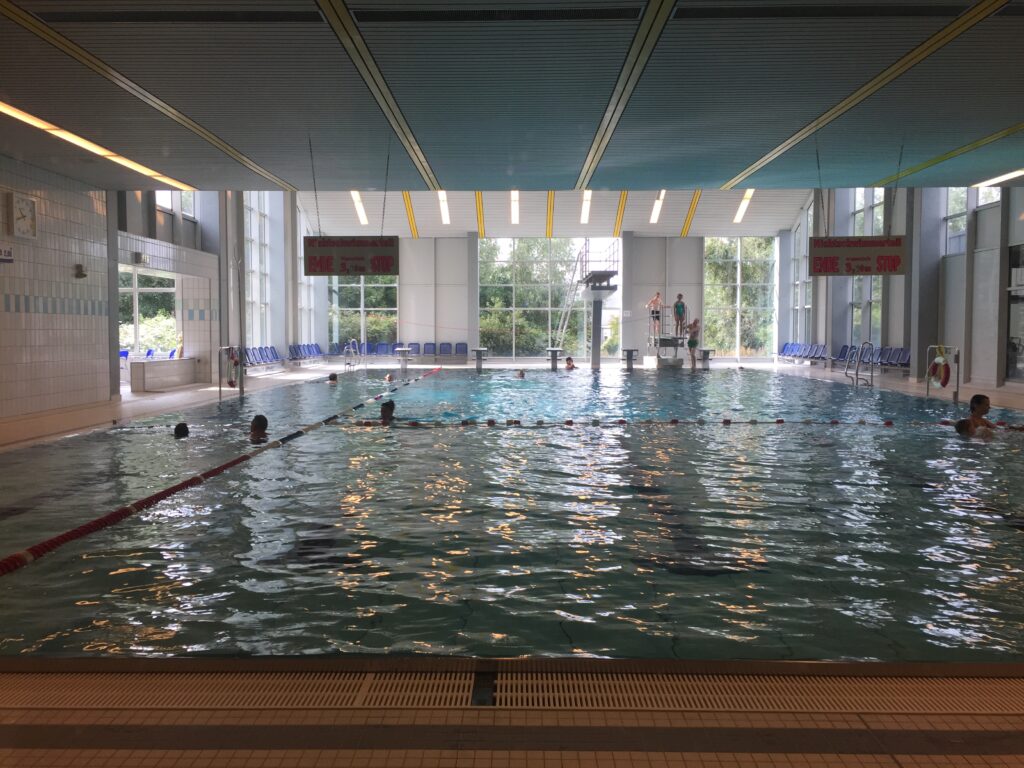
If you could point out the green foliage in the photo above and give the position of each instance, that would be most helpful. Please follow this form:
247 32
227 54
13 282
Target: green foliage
611 344
381 326
159 332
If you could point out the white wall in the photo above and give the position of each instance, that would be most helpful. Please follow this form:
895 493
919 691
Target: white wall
438 300
953 304
53 327
985 318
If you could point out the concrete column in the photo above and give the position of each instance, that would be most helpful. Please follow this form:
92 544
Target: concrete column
473 288
595 335
784 289
149 214
632 335
113 295
837 330
1003 322
925 247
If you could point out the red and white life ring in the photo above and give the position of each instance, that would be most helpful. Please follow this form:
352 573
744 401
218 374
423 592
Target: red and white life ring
938 372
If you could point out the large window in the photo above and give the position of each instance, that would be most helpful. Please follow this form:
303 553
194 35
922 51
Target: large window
305 301
257 268
146 311
866 291
739 295
988 195
364 308
956 220
529 299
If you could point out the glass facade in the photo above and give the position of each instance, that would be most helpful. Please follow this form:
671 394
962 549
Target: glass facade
739 296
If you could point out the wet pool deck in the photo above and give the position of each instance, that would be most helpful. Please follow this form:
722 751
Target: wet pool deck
467 713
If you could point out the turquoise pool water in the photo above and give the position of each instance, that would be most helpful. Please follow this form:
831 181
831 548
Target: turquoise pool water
788 541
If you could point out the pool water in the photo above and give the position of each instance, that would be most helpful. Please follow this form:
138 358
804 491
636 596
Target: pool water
652 540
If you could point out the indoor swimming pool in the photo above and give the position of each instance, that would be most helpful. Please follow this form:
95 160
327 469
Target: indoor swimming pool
643 539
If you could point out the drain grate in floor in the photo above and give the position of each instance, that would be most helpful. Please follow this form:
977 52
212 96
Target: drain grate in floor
512 690
234 690
761 693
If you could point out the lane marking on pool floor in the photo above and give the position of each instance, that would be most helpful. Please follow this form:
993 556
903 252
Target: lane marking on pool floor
20 559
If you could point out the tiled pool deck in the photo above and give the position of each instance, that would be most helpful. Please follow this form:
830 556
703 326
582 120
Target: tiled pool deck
475 713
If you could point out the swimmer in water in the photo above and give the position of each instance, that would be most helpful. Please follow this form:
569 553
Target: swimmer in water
258 429
521 373
180 430
387 413
332 378
569 364
388 377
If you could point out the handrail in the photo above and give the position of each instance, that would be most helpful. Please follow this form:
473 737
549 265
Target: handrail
859 352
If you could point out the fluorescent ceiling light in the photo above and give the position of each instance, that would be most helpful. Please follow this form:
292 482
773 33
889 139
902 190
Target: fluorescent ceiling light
442 198
657 207
743 206
585 213
1000 179
360 211
515 206
25 117
96 149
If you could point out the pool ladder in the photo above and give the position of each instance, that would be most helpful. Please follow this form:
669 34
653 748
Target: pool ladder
857 376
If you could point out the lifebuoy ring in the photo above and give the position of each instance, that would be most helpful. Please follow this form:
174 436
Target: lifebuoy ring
938 372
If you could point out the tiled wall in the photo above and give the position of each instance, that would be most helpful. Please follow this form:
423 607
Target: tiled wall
53 327
196 300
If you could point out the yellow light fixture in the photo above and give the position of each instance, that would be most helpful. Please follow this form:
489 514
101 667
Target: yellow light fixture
550 225
656 212
360 211
442 199
690 213
585 213
480 214
411 216
742 210
999 179
515 206
96 149
617 231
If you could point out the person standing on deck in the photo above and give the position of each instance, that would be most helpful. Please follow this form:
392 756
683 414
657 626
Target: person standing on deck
679 313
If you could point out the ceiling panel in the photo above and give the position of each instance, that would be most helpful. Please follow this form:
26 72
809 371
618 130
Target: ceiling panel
277 87
770 211
56 88
966 91
717 94
501 104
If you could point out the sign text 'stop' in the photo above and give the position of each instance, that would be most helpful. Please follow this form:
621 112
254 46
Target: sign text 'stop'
868 255
325 255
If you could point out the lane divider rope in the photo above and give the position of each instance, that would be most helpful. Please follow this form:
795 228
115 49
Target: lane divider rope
20 559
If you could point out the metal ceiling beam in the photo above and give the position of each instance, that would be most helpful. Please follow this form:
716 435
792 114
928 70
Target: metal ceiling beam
48 34
656 14
947 34
950 155
344 26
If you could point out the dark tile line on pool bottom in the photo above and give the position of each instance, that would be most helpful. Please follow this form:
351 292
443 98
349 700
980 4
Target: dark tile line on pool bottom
503 738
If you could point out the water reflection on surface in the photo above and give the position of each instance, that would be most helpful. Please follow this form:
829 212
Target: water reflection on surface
636 540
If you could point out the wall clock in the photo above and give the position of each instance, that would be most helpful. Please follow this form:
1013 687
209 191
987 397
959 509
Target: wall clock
24 216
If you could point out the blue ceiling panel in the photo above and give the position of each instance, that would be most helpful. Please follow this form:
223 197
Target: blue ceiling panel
502 104
277 86
944 103
718 94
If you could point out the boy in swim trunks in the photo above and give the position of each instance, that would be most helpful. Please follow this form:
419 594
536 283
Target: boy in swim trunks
655 306
693 334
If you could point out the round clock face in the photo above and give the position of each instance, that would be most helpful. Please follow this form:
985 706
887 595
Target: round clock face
25 221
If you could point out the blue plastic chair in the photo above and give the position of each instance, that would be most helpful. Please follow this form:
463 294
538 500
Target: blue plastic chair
394 347
445 350
366 349
149 354
462 348
430 348
171 355
273 351
382 347
414 349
